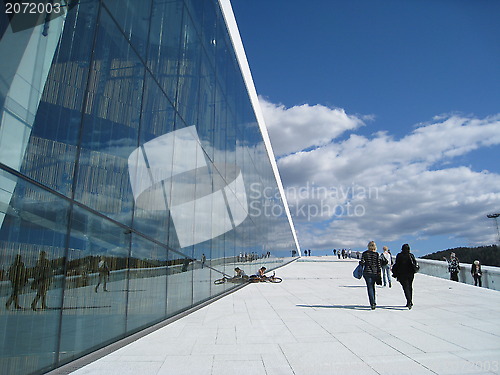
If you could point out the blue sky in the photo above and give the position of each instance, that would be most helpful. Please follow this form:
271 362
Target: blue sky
389 107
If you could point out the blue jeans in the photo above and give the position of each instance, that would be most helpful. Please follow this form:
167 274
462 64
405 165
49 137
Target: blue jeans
370 285
386 273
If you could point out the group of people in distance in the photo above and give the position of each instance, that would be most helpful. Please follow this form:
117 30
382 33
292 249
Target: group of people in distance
454 269
375 265
41 277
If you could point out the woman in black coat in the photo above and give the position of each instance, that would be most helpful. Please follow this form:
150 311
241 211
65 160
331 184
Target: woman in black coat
371 270
476 272
404 271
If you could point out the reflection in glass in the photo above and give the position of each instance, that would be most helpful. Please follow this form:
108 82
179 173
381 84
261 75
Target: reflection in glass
179 282
132 175
110 125
195 188
32 238
98 252
147 286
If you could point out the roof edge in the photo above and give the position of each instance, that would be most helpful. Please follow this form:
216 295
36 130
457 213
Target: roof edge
234 33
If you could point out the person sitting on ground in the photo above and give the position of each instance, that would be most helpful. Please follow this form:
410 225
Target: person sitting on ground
239 275
260 275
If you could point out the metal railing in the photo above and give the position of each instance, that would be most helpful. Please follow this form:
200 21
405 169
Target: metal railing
438 268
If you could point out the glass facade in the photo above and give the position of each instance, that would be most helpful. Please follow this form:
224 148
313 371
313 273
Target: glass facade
133 174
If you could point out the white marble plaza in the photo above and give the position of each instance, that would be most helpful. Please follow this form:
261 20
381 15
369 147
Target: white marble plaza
318 321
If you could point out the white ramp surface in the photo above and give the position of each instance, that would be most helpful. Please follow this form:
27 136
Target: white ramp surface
318 321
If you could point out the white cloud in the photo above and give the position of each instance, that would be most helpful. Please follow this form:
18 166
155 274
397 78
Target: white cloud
400 187
316 125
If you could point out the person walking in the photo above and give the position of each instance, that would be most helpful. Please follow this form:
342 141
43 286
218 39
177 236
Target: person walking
371 271
386 263
404 271
18 278
42 279
476 272
104 272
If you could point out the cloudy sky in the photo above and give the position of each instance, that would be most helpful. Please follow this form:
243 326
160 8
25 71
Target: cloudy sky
384 116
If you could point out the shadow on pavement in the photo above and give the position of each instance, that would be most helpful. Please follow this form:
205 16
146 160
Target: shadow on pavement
352 286
354 307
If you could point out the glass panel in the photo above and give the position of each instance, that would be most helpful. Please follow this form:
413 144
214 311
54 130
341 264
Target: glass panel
4 23
190 179
209 31
133 18
147 285
110 130
164 44
150 165
220 132
201 275
189 72
44 90
195 9
96 289
32 239
179 283
23 76
206 106
221 51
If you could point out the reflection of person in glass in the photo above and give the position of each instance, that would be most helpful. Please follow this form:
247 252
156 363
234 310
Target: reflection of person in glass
103 270
18 278
42 274
239 274
185 264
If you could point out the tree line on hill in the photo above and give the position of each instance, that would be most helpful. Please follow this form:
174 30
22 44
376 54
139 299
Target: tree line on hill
487 255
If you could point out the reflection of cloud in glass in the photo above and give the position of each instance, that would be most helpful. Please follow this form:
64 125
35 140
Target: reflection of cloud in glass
170 172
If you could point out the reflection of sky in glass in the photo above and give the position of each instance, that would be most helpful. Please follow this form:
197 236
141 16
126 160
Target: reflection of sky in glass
197 191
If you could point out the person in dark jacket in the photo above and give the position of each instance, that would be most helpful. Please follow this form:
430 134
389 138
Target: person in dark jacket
371 270
404 271
453 267
18 277
476 272
42 280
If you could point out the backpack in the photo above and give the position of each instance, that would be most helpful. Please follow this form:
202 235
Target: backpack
383 260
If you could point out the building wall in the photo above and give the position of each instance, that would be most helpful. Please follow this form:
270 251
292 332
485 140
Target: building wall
128 137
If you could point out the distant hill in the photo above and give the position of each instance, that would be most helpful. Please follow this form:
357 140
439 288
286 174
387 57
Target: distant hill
487 255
